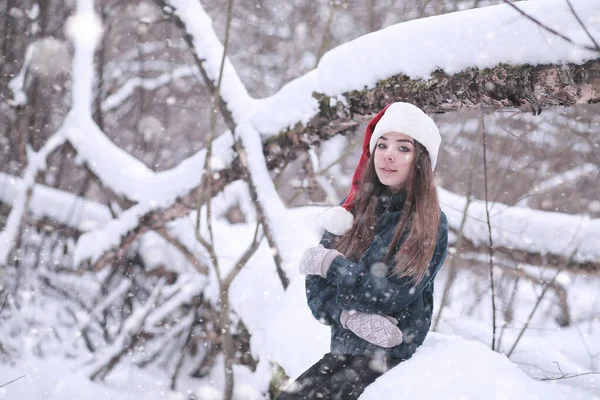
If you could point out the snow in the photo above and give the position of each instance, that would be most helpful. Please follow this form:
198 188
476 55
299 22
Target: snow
449 367
469 37
282 327
526 229
59 379
480 38
127 176
131 327
209 48
116 99
35 163
285 332
17 84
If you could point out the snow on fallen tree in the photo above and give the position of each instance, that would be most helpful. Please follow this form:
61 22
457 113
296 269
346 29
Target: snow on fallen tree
531 233
294 104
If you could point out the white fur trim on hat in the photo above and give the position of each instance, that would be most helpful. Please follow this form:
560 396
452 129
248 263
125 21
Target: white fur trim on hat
336 220
412 121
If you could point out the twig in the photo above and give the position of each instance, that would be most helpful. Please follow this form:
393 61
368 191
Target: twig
583 25
508 311
202 269
491 244
241 151
535 307
554 32
243 259
16 379
539 300
186 343
458 244
567 376
570 376
4 304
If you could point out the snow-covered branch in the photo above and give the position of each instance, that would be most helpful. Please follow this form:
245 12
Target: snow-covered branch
47 202
116 99
529 232
237 108
35 163
126 338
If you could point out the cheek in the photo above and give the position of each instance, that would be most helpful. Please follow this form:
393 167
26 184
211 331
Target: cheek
405 159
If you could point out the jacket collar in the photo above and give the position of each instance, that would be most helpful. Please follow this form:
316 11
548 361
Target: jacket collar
391 201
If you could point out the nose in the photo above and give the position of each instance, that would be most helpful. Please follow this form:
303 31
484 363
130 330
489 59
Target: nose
388 155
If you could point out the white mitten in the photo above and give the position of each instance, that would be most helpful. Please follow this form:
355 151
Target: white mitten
380 330
316 260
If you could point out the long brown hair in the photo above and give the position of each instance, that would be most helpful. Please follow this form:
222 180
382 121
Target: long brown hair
419 218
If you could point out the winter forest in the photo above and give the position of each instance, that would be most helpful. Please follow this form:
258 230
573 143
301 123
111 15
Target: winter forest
164 164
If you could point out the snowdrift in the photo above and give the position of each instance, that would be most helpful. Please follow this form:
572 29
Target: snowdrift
445 367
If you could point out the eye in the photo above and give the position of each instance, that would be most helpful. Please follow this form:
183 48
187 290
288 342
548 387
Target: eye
404 148
381 145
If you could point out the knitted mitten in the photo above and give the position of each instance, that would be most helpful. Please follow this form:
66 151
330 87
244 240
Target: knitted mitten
380 330
316 260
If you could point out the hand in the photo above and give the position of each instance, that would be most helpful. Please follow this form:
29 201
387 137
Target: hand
316 260
380 330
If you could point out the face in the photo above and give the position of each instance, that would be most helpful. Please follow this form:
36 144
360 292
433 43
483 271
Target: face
394 153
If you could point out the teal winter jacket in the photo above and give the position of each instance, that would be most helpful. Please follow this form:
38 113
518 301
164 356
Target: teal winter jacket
367 286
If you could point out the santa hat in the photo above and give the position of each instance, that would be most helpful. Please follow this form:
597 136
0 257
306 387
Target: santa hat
396 117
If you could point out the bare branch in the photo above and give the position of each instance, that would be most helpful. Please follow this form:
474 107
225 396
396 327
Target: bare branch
491 243
597 48
4 303
535 307
567 376
554 32
203 269
243 259
16 379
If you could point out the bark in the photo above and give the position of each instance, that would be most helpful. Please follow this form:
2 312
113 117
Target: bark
528 88
532 258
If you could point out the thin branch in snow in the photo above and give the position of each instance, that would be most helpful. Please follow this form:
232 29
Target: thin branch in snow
104 304
35 163
583 25
201 268
237 109
567 376
554 32
116 99
452 268
16 379
127 337
17 84
547 286
4 303
193 322
244 258
207 177
491 243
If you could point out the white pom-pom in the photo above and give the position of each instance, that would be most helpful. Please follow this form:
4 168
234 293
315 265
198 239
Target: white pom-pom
336 220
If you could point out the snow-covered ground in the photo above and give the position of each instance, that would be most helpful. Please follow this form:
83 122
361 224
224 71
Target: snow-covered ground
454 363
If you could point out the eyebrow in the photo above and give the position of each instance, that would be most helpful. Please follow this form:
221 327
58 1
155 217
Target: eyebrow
398 140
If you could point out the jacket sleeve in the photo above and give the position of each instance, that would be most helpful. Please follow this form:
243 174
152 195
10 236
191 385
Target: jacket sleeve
321 294
367 289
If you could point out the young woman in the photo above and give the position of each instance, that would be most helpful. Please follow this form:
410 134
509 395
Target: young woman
371 277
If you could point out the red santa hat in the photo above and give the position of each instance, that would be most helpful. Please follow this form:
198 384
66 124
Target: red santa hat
395 117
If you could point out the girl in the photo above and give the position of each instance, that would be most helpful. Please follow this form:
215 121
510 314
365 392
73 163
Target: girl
371 277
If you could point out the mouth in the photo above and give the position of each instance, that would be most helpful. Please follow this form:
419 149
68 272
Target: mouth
387 170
